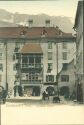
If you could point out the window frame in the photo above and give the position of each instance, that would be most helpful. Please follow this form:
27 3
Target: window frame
49 45
64 55
49 56
64 45
48 79
65 66
0 78
1 55
1 67
51 66
64 78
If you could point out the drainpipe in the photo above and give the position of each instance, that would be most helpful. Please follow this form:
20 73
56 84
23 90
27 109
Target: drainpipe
6 67
57 68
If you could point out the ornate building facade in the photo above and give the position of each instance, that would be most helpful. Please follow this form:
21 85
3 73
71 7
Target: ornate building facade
33 56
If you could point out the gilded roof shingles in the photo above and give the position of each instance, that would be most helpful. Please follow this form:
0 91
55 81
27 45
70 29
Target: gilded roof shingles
31 48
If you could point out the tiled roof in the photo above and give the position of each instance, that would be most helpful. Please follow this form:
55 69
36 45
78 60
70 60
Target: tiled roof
31 48
33 32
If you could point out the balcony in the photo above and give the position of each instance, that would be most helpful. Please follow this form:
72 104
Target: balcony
29 82
30 66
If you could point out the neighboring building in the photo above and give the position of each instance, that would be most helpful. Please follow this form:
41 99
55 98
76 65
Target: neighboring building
2 64
67 77
78 27
30 55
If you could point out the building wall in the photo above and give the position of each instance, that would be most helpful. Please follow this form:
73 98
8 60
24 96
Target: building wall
70 72
44 44
80 43
80 48
3 63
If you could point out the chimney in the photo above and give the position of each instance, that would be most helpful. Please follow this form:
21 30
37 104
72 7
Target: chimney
44 32
30 23
47 23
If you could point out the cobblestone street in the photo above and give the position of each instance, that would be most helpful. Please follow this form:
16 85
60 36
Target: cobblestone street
38 101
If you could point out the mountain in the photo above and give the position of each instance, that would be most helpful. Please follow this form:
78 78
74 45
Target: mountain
5 14
6 24
15 19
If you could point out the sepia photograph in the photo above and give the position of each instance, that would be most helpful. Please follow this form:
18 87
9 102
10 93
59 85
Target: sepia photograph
41 62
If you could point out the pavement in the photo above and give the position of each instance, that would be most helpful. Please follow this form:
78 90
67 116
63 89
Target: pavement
23 99
37 100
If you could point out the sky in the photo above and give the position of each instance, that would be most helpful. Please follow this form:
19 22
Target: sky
52 8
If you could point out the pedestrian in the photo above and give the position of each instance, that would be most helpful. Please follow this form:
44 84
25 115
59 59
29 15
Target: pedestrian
14 91
4 95
20 90
44 95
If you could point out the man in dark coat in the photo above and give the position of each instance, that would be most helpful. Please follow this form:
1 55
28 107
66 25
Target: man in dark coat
4 95
45 95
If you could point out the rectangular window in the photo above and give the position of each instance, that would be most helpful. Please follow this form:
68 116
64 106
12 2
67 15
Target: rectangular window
24 59
50 78
31 60
1 67
50 66
1 45
65 66
49 45
36 77
13 57
33 77
16 49
49 55
0 56
30 77
64 45
37 59
65 78
17 55
0 78
17 45
64 55
27 77
16 66
23 76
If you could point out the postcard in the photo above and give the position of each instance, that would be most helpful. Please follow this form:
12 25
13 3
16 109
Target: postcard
41 62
